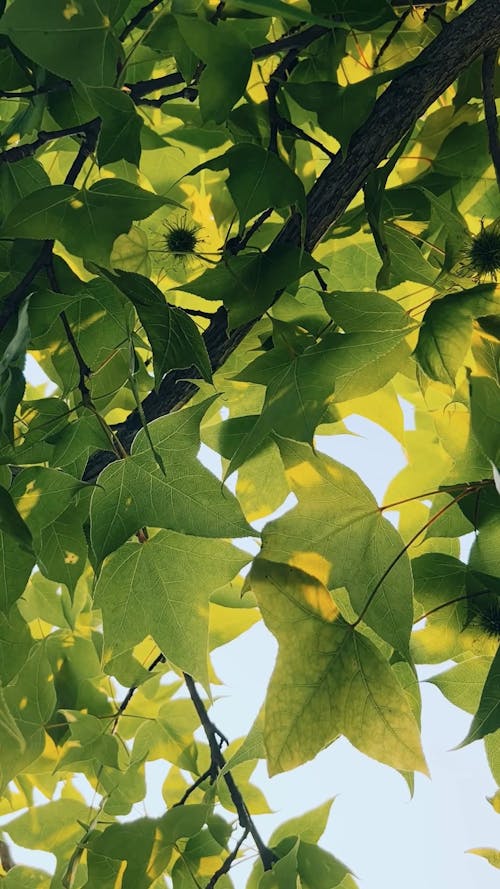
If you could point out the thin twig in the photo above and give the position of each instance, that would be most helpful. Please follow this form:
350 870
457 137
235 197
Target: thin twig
143 87
288 125
137 18
218 762
192 787
159 659
226 865
236 245
19 152
401 553
295 41
490 111
390 37
278 77
187 92
321 281
454 601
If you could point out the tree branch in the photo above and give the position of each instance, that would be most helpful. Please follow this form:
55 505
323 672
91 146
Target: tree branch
471 34
295 42
246 822
226 865
137 18
19 152
490 110
11 302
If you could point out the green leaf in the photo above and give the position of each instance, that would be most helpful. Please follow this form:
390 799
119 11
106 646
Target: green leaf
341 109
309 827
61 549
16 644
278 8
454 225
337 534
492 747
463 683
11 522
12 382
144 846
161 588
31 698
439 580
228 64
258 179
53 826
447 328
328 679
248 284
366 310
42 495
17 564
283 873
21 877
73 40
320 868
364 14
87 221
174 337
134 492
18 180
487 718
407 262
300 388
121 125
485 415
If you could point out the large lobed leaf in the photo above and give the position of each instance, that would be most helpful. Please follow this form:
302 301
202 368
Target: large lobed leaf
329 679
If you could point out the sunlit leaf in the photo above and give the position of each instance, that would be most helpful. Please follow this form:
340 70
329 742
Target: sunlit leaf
328 680
87 221
134 492
161 588
337 535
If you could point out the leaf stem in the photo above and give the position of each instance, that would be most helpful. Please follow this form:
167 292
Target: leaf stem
463 598
402 552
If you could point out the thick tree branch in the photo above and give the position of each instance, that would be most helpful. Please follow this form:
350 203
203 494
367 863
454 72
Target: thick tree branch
409 95
490 110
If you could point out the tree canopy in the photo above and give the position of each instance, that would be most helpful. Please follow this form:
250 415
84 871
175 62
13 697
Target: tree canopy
238 224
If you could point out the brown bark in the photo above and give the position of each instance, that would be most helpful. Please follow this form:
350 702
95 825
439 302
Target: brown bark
397 109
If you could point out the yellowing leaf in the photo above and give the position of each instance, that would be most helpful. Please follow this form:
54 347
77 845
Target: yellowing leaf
492 856
328 679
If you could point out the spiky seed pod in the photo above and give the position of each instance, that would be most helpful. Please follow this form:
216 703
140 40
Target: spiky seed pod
481 256
181 239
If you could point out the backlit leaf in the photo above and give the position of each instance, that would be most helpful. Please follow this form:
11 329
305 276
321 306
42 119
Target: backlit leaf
87 221
328 680
337 535
134 492
161 588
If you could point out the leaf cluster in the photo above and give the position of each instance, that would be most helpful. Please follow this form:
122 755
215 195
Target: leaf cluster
237 225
